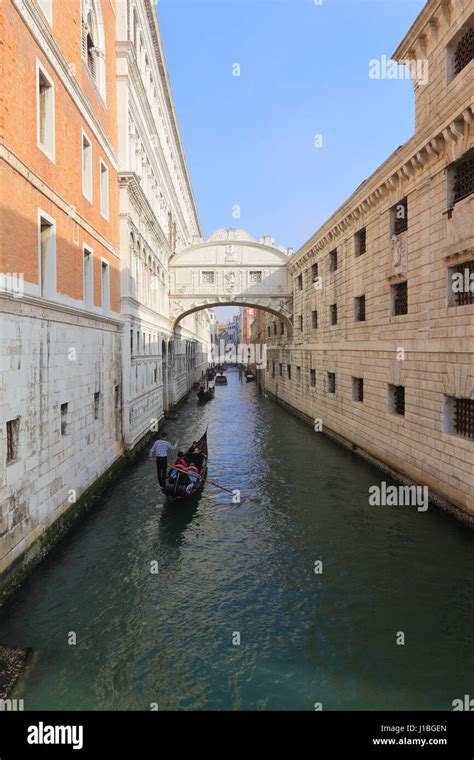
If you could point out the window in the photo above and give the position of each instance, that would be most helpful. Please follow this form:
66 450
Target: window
459 416
464 50
208 278
104 190
281 370
282 328
131 342
357 389
274 328
268 331
396 399
461 284
333 260
461 178
359 309
300 322
298 375
86 167
105 289
331 382
361 242
96 405
255 277
314 319
399 299
92 43
13 438
45 112
333 314
64 419
47 256
399 217
312 378
117 398
273 369
299 281
314 272
88 291
288 371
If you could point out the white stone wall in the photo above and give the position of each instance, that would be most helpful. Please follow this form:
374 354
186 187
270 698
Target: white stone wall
49 358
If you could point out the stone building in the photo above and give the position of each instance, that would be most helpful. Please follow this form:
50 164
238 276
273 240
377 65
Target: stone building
95 198
382 346
158 216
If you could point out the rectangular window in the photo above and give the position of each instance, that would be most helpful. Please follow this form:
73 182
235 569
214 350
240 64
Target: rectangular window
131 342
281 370
13 439
45 112
399 217
64 419
459 416
333 260
282 328
300 322
96 405
463 51
273 369
361 242
274 328
399 299
357 389
208 278
396 399
298 375
461 284
47 256
117 396
333 314
88 285
314 319
105 289
288 371
314 272
104 190
359 309
331 382
461 178
268 331
312 378
255 277
86 167
300 282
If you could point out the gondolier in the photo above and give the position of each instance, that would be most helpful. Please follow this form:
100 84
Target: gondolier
159 450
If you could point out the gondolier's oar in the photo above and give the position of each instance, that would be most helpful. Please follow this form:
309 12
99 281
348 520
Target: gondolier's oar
208 480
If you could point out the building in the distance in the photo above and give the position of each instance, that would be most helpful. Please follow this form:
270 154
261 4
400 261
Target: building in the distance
382 350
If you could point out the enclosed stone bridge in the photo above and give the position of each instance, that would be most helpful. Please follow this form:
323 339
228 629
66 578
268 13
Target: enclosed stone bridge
231 269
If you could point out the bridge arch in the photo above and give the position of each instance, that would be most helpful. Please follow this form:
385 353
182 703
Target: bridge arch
231 269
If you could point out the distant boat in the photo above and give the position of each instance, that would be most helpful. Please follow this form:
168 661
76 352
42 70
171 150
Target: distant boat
221 379
249 376
205 394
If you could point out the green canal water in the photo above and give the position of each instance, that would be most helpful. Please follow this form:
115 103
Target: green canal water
305 638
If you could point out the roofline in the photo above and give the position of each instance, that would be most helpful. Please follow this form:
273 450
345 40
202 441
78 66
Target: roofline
416 29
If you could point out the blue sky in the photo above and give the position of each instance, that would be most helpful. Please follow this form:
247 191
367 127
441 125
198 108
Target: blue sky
249 140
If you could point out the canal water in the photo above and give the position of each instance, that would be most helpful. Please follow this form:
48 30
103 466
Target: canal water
228 571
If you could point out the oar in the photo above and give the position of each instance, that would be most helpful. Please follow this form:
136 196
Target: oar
208 480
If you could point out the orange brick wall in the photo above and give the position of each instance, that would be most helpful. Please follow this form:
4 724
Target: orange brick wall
20 200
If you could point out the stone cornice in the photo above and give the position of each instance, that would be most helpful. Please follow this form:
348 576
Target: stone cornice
59 312
161 61
424 27
130 181
41 33
17 165
390 179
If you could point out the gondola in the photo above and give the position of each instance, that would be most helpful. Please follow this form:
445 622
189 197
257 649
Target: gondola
175 492
205 394
221 379
249 376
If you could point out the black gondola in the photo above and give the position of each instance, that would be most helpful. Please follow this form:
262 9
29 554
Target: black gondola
221 379
205 394
175 492
249 376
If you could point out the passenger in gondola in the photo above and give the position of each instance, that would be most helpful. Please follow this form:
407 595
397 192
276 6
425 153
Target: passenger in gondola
181 460
195 456
193 477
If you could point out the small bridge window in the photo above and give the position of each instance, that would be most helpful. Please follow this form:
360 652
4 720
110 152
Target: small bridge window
208 278
255 276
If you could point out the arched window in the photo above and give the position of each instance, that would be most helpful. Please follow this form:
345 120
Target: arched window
93 42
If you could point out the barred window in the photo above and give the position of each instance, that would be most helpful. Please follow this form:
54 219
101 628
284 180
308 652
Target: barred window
400 298
464 417
358 389
208 278
255 277
464 52
333 314
463 177
400 217
360 309
396 399
13 437
361 242
312 378
461 284
333 260
314 319
331 382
